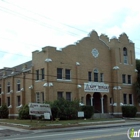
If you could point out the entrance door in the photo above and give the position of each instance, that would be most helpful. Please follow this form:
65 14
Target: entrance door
88 102
105 104
97 102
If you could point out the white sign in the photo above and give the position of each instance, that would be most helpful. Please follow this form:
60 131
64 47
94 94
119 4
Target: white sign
47 116
96 87
39 109
80 114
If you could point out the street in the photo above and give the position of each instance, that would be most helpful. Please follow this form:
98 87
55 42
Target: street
114 133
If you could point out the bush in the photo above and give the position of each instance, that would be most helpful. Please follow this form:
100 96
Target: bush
4 111
88 111
24 112
129 111
64 109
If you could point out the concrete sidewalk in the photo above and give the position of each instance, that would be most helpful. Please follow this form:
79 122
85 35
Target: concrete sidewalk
10 130
96 125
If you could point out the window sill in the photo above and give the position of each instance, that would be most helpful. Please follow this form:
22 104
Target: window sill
40 80
127 104
127 84
65 80
126 64
18 92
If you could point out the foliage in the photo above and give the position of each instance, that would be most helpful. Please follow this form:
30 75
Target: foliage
88 111
137 84
64 109
24 112
129 111
4 111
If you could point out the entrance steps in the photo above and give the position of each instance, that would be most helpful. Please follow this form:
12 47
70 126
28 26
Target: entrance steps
104 115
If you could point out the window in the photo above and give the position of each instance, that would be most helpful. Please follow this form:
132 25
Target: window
18 101
37 74
95 75
59 95
82 99
123 78
37 97
130 98
59 73
101 77
89 76
125 56
0 89
8 101
120 54
0 102
111 100
125 98
18 85
129 79
8 87
42 73
67 74
42 94
68 96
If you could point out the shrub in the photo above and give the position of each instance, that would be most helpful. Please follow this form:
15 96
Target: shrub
129 111
88 111
64 109
24 112
4 111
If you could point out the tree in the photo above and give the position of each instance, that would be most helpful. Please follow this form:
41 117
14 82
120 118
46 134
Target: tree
4 111
137 84
24 112
64 109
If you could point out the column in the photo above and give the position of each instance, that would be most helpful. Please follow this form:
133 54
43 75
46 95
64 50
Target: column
102 105
91 101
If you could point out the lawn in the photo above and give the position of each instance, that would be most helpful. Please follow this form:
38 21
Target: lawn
47 123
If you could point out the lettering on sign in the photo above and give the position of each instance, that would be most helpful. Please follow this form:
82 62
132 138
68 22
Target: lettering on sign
96 87
39 109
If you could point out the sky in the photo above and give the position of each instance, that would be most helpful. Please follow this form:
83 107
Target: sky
29 25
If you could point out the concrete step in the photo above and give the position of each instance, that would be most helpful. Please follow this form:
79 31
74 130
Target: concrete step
104 115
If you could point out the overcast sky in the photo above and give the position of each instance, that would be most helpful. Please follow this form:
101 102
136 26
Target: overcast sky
29 25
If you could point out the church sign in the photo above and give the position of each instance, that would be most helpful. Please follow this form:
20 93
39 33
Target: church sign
96 87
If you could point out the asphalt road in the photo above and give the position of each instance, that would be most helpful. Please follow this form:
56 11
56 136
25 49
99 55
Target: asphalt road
114 133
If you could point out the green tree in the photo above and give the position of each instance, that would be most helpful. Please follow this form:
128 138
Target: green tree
24 112
64 109
4 111
137 84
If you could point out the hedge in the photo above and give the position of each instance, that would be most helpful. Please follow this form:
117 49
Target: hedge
129 111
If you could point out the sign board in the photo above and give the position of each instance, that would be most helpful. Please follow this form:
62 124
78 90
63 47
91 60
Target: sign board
96 87
47 116
39 109
80 114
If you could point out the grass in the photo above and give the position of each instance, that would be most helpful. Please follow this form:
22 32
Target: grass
44 123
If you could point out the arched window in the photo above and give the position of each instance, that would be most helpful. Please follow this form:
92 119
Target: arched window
95 75
125 58
18 85
8 86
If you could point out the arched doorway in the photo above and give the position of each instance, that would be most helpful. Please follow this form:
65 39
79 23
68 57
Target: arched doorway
88 102
105 103
97 102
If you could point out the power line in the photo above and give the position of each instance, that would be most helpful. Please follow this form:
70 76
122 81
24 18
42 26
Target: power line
47 17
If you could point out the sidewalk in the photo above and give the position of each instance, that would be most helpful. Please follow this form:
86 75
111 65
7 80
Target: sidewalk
96 125
10 130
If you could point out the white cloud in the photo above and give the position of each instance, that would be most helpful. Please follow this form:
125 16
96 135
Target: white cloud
29 25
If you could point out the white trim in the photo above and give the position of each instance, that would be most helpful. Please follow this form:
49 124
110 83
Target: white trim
65 80
120 113
13 115
138 113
